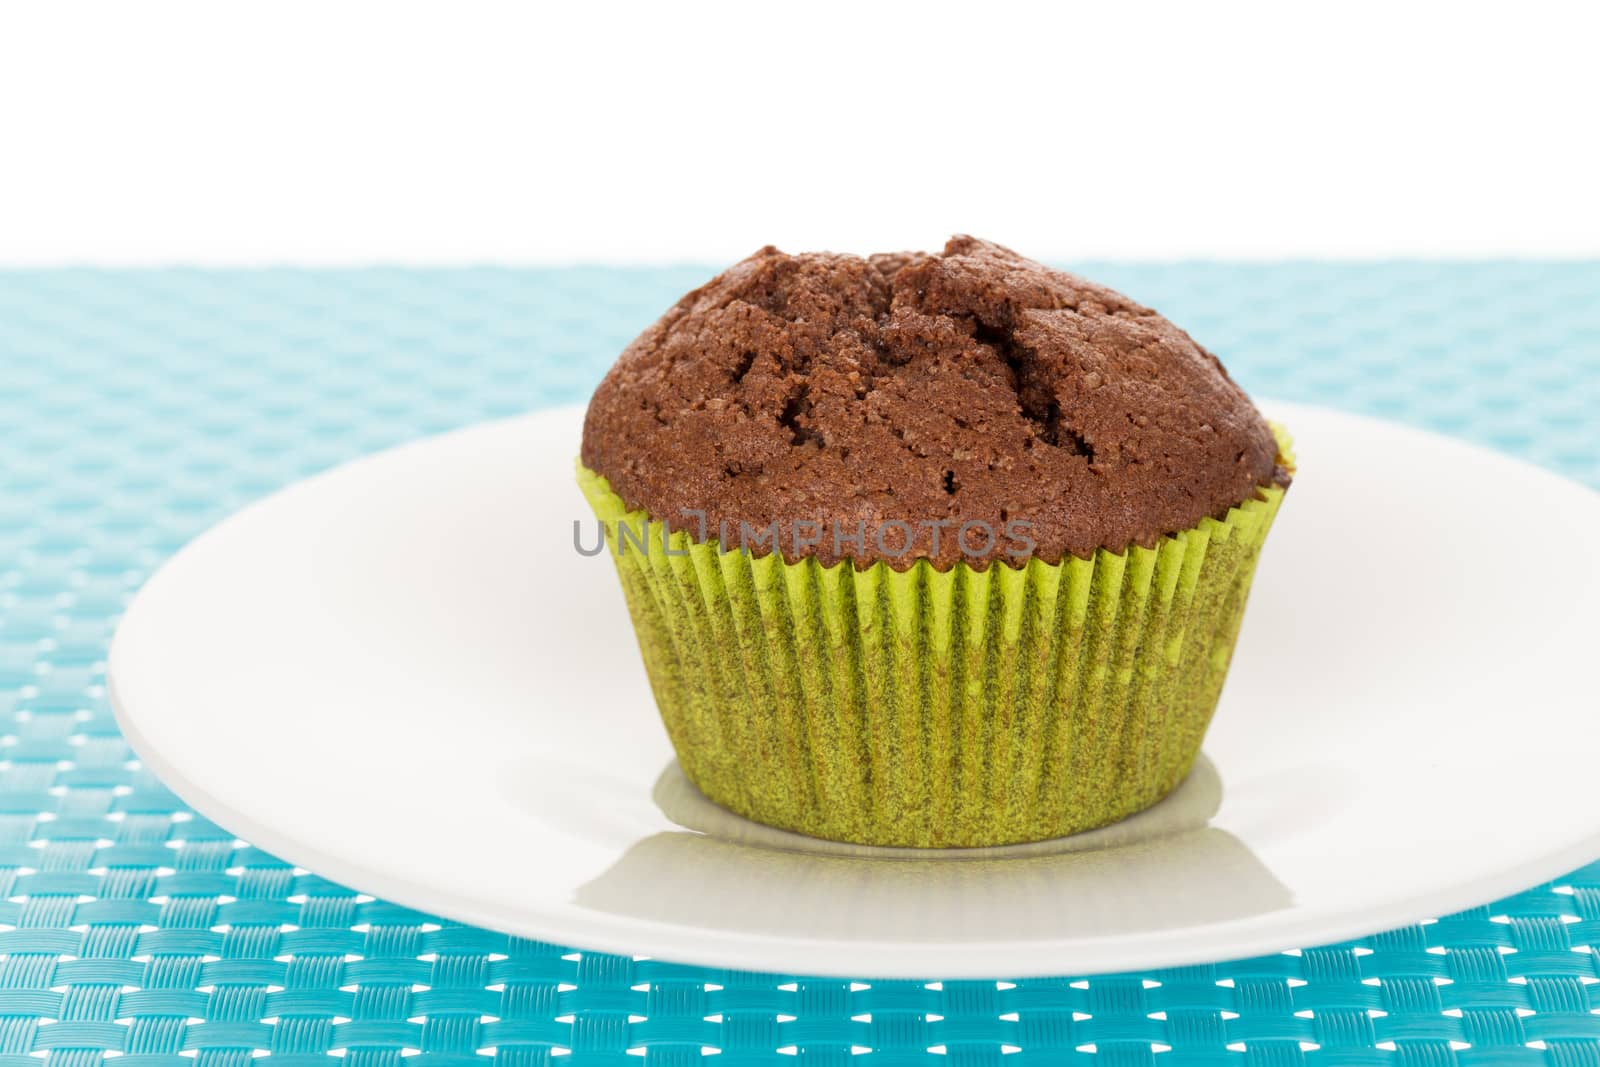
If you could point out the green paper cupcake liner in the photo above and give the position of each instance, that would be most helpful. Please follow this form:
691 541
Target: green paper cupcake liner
962 708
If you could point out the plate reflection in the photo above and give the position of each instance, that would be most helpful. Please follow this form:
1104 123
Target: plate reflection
1162 868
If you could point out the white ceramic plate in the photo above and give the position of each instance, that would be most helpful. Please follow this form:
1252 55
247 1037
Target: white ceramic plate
401 675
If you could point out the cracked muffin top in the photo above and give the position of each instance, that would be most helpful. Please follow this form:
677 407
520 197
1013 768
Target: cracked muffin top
910 395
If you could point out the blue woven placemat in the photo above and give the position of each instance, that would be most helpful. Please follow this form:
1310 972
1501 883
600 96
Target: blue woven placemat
138 407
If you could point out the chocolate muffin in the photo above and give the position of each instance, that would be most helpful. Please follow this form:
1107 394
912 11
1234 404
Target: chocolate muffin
972 386
935 550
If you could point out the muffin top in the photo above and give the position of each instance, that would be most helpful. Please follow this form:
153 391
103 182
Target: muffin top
971 405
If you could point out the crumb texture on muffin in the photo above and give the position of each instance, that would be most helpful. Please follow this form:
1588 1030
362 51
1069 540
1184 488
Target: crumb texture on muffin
972 386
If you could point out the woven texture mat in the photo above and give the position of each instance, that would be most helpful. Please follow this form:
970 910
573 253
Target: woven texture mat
139 407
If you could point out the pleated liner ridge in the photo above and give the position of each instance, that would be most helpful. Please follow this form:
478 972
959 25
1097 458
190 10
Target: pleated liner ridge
958 709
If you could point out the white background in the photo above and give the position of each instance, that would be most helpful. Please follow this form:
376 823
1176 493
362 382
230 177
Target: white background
321 133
